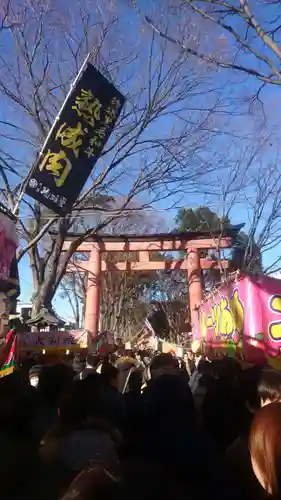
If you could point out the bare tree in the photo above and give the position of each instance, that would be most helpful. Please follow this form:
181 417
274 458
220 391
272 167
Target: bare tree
160 144
264 212
8 21
251 34
73 288
123 306
252 193
170 294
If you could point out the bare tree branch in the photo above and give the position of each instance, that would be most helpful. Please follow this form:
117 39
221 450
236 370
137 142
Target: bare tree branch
208 11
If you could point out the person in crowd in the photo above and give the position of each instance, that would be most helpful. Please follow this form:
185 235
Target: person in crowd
146 370
265 448
139 358
53 380
115 403
259 386
133 404
223 409
237 456
183 369
194 381
79 365
134 387
189 362
110 375
166 435
160 365
18 448
92 362
34 374
269 387
199 384
125 365
84 432
164 364
84 425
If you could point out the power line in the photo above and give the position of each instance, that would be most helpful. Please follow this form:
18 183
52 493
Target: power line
25 281
121 213
118 211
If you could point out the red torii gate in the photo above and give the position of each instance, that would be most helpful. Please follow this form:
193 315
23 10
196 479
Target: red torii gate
190 242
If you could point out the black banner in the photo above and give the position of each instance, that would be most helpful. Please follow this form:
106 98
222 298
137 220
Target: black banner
76 142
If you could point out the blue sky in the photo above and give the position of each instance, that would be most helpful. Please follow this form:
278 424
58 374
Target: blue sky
235 87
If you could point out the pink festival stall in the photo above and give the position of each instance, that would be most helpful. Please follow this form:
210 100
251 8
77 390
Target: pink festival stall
243 319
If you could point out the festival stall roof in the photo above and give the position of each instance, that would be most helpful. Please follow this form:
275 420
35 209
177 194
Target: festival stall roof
45 317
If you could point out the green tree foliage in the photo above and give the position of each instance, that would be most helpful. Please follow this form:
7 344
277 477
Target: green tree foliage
245 253
199 219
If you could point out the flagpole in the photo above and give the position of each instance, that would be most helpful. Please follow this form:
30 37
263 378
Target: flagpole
73 84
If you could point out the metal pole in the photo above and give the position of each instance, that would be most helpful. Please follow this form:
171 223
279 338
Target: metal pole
127 380
24 184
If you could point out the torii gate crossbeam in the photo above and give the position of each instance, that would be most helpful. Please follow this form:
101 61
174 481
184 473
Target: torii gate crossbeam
191 243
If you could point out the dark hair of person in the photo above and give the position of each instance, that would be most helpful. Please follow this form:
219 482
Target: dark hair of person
18 403
228 368
82 400
93 360
164 360
269 387
170 401
203 366
35 370
248 386
265 446
53 381
135 381
109 372
143 354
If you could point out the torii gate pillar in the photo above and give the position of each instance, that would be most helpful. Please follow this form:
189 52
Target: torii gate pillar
93 293
195 285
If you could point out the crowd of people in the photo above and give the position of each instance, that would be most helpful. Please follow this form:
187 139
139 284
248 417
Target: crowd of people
140 427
